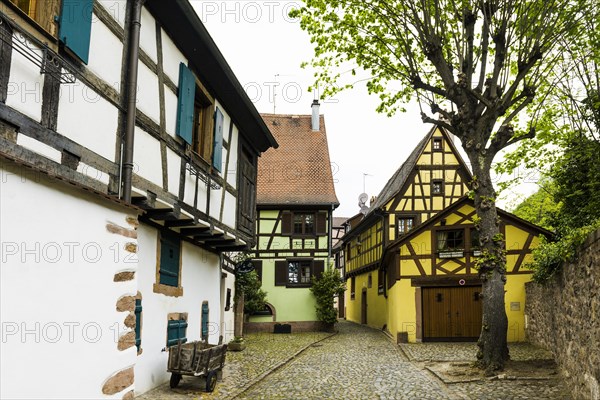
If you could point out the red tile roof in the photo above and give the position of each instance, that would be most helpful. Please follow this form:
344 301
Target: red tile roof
299 171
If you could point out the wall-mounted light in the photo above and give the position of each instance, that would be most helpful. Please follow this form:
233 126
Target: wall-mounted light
443 222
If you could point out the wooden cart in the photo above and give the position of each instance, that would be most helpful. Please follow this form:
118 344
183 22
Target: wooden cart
196 359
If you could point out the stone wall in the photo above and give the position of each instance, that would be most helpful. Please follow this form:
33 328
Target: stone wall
564 317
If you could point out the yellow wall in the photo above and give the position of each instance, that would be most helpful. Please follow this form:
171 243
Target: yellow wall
376 303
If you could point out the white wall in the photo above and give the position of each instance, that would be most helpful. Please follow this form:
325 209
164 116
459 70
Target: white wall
58 311
25 86
200 279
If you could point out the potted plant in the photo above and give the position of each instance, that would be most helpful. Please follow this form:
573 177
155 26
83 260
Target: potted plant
236 344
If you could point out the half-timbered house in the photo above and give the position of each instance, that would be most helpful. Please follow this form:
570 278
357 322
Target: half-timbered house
409 261
128 160
296 198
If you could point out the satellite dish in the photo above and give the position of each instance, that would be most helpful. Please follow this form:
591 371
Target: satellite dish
362 199
244 267
362 203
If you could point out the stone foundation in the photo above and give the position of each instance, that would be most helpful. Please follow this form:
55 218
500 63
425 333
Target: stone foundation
297 326
563 316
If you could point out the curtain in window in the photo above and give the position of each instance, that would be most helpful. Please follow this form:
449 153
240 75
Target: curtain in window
442 237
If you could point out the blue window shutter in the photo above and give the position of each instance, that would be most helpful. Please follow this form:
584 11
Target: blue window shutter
76 26
185 103
176 332
218 142
205 320
138 323
169 259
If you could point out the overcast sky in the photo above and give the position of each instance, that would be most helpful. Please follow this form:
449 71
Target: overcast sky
265 48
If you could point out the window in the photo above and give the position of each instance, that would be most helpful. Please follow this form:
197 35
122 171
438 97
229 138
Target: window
198 123
74 20
138 324
450 243
228 300
437 144
297 273
304 224
475 245
437 186
380 280
370 281
176 329
352 287
202 138
204 321
403 225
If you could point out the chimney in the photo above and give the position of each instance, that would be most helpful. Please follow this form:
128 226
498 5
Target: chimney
315 115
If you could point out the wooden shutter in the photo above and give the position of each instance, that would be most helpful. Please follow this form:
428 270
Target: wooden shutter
218 141
176 332
281 273
76 27
258 269
169 259
321 223
185 103
286 223
205 320
138 323
318 268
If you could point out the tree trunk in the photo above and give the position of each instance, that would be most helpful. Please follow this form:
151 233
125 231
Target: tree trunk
493 348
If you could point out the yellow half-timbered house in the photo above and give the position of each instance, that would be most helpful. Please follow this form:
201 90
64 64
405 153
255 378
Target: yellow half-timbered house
410 259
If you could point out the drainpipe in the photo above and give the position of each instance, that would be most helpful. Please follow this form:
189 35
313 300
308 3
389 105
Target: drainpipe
132 82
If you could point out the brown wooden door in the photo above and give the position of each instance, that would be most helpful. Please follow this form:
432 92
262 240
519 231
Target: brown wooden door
451 313
341 305
466 312
363 307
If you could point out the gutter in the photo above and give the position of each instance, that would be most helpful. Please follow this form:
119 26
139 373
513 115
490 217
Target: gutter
132 83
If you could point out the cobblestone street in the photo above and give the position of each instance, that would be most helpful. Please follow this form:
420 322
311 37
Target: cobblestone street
358 363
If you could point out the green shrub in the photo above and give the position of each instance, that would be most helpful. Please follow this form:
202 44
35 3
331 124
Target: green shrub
549 256
325 288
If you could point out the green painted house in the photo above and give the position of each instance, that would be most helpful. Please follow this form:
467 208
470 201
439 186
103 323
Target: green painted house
295 201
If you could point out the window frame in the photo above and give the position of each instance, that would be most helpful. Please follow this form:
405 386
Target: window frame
308 263
437 140
404 217
352 288
204 121
435 182
303 216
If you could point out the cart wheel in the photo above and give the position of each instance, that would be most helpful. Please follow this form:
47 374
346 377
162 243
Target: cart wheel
211 381
175 378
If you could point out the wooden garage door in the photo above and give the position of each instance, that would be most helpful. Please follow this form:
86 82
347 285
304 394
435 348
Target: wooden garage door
451 313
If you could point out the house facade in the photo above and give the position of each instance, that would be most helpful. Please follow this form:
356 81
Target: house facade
118 206
410 260
296 198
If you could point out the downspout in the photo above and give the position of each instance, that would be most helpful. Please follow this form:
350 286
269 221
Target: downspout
132 83
330 236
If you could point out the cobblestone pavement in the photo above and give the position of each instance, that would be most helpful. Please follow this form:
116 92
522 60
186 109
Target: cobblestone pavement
264 352
357 363
467 351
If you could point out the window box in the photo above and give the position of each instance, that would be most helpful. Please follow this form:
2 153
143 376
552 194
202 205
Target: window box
451 254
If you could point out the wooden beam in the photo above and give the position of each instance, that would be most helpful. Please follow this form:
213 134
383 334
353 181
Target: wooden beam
232 248
219 242
162 214
197 230
179 222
